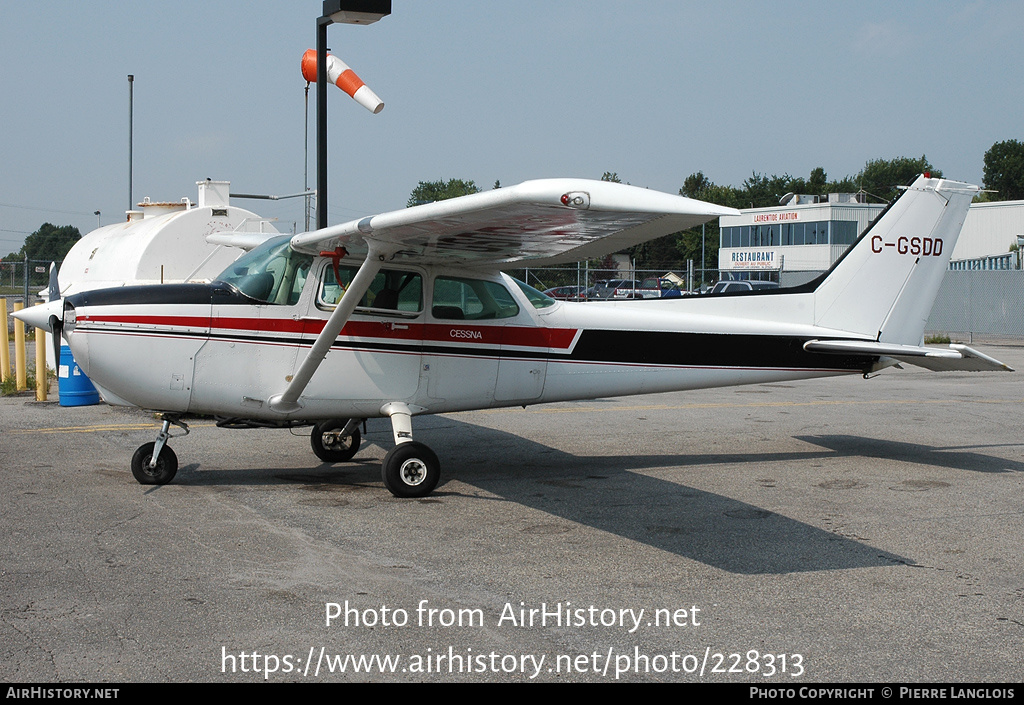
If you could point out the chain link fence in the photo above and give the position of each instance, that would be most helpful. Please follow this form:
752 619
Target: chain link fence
982 302
14 283
587 277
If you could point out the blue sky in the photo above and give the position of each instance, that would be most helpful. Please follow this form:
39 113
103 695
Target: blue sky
488 91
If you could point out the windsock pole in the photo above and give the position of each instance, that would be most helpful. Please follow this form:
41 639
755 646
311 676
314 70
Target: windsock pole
320 67
321 122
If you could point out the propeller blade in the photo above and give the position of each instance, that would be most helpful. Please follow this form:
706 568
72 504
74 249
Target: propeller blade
57 328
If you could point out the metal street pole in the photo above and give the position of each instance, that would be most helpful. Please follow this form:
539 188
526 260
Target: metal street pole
131 133
321 121
348 12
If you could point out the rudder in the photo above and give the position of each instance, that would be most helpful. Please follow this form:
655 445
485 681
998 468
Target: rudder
885 285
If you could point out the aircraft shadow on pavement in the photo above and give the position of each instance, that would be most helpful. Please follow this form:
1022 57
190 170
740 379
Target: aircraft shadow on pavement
952 457
613 494
604 493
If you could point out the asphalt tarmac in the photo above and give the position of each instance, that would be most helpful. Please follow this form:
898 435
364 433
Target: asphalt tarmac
785 534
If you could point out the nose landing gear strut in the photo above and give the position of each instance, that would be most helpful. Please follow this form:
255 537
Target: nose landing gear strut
155 463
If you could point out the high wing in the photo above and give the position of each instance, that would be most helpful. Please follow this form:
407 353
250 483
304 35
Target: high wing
542 222
954 358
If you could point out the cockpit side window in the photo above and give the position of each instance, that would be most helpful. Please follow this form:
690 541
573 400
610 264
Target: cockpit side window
272 273
392 292
471 300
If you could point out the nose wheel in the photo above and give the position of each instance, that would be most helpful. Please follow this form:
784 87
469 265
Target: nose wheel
155 463
336 440
161 473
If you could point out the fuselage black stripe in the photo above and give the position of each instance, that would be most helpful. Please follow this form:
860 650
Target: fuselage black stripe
720 350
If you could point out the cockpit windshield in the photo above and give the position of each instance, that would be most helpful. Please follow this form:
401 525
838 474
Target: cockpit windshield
537 298
272 273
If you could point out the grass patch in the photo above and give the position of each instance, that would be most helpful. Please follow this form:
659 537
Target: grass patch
9 387
938 339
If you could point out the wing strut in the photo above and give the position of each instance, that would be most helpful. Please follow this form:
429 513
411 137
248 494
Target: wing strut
288 401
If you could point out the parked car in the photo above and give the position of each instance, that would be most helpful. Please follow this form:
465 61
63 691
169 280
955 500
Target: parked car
567 293
649 288
606 289
727 287
593 292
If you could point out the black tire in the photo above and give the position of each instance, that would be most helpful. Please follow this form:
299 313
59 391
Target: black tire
411 470
334 448
166 466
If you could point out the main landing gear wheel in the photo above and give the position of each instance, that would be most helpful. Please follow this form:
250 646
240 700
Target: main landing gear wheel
329 443
166 465
411 470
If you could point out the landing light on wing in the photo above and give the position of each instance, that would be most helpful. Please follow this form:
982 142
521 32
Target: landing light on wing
576 199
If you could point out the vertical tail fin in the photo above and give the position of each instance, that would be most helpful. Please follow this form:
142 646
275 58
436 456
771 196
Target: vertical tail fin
885 285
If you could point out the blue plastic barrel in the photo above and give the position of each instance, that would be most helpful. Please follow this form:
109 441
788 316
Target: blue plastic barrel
74 387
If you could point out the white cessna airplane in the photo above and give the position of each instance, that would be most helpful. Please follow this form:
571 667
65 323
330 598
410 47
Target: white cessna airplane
407 313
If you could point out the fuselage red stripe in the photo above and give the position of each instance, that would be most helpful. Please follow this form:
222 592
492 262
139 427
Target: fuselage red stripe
396 329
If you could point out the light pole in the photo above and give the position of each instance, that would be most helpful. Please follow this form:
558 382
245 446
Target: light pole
346 12
131 135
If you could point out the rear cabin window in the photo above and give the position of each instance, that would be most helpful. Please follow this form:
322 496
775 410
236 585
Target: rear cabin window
471 300
392 291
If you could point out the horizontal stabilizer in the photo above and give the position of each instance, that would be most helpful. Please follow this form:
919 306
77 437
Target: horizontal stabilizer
955 357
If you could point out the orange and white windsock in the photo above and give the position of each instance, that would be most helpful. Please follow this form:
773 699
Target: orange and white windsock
344 78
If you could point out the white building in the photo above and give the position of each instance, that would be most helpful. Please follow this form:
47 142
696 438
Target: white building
989 231
809 233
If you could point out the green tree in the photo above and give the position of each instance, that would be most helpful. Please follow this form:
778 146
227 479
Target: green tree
1004 170
818 183
611 176
762 191
49 243
430 191
880 177
695 185
690 243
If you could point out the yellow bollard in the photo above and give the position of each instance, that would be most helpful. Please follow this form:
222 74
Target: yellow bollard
20 377
5 344
42 381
